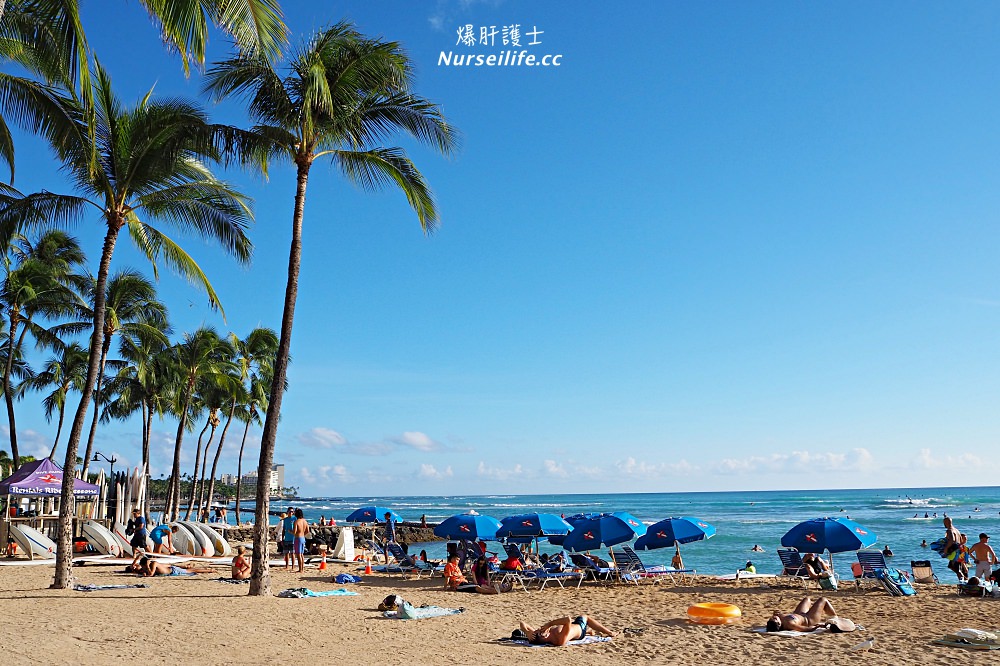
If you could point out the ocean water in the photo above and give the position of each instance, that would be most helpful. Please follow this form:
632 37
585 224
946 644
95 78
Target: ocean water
742 519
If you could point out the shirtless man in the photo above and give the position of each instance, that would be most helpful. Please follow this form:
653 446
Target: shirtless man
241 568
808 616
300 530
985 557
150 567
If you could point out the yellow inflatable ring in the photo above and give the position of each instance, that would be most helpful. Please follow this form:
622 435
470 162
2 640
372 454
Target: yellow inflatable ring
714 613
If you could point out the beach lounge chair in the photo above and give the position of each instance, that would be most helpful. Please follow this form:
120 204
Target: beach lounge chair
409 564
871 561
632 568
589 567
792 566
922 572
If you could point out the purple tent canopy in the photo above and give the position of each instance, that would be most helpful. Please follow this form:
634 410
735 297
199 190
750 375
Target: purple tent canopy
42 478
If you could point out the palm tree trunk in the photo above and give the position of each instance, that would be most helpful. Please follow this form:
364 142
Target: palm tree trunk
204 468
239 471
260 577
175 469
105 346
67 506
197 468
147 426
218 453
55 444
8 398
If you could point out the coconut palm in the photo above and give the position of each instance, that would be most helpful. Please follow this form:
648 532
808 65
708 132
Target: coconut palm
341 97
151 167
39 283
47 38
213 394
130 306
65 372
203 358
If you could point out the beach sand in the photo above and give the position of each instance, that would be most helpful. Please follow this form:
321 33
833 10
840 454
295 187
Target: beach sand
198 620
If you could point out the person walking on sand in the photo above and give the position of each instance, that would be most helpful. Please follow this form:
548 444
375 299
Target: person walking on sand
300 530
985 557
137 525
390 534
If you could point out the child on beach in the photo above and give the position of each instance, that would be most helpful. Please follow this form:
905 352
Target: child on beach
241 568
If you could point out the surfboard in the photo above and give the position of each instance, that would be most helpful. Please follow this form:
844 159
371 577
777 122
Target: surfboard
183 541
103 541
118 530
28 563
222 547
205 546
30 540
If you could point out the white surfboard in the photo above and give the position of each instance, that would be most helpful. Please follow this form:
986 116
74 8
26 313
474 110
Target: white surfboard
222 547
205 546
103 541
183 541
30 540
118 530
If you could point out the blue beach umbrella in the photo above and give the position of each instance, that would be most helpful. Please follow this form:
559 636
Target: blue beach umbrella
468 526
672 531
533 525
607 529
574 520
837 535
372 514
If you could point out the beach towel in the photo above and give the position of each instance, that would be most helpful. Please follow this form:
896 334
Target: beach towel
410 612
95 588
797 634
343 578
303 592
587 640
234 581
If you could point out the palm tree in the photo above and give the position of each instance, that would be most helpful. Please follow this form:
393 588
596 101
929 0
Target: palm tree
212 395
47 38
64 372
39 282
203 358
342 96
150 167
255 360
130 306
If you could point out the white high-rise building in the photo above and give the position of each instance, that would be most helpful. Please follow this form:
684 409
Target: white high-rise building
277 479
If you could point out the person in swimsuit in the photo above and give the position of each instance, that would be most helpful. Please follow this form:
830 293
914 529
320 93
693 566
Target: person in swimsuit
815 567
562 630
161 533
150 567
288 536
455 580
984 556
139 533
300 530
809 615
241 568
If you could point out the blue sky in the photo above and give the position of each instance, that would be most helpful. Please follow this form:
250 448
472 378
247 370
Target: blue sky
722 246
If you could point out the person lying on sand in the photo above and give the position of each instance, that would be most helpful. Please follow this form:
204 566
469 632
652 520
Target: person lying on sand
149 567
241 567
560 631
809 615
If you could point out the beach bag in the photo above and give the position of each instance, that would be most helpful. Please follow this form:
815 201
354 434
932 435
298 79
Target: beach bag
828 583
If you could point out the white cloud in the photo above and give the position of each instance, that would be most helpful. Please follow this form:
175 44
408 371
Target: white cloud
499 473
926 460
430 472
630 467
323 438
552 468
326 474
417 440
856 460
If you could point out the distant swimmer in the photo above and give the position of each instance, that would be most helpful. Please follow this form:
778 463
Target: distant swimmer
923 544
915 516
926 516
976 509
757 549
935 514
842 510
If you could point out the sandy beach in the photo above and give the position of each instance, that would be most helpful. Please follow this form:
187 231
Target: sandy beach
198 620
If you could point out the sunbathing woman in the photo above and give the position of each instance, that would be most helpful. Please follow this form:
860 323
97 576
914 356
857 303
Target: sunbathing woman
563 630
150 567
809 616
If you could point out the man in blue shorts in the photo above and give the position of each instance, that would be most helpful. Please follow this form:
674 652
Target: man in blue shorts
300 530
161 533
287 535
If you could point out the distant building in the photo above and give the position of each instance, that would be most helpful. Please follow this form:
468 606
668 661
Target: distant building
228 479
277 479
